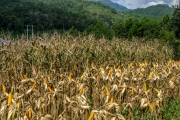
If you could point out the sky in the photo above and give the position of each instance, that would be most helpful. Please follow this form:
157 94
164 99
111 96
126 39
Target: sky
133 4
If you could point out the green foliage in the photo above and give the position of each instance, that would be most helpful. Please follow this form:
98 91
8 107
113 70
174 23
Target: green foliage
167 37
154 12
73 31
176 47
56 14
171 110
176 22
144 28
176 27
100 30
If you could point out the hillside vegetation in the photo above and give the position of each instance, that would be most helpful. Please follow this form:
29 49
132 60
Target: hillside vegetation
154 12
56 14
62 15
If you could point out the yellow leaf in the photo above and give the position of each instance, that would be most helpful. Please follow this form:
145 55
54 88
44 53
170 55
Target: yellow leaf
122 86
30 113
172 78
111 101
132 91
145 63
130 65
42 76
91 116
70 77
9 99
107 91
43 109
171 84
122 75
92 65
156 90
18 104
45 82
141 74
51 90
82 77
81 90
150 106
165 71
3 88
120 70
25 77
144 87
110 72
33 86
169 70
150 75
132 73
114 66
156 73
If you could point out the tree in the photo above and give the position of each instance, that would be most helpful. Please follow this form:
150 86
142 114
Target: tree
176 19
176 27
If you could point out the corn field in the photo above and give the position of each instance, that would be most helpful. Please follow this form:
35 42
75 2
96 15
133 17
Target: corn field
79 78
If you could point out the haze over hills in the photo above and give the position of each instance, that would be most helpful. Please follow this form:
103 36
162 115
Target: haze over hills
111 4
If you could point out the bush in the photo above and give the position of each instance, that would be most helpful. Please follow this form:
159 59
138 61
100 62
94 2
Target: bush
171 110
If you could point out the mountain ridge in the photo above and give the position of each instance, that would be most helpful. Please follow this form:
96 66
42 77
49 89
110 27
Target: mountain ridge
156 12
159 10
111 4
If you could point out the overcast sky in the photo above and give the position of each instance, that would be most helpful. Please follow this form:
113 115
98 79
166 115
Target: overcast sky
133 4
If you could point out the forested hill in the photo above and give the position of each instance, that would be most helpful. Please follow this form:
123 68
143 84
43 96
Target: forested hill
113 5
156 12
62 15
55 14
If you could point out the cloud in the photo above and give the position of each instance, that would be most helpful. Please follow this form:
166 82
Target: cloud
153 3
173 2
133 4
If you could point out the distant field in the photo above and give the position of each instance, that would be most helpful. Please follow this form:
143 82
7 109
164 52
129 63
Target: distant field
81 78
